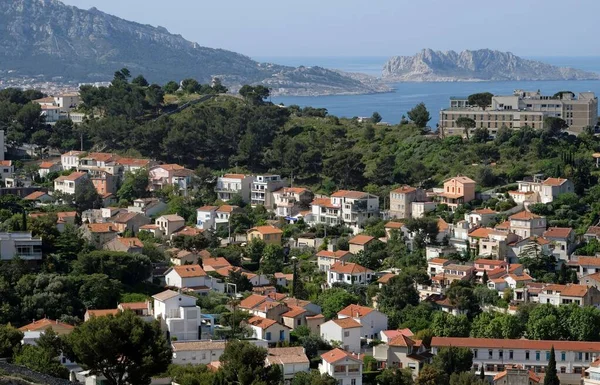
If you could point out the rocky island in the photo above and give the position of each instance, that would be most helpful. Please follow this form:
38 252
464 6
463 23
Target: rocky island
50 40
478 65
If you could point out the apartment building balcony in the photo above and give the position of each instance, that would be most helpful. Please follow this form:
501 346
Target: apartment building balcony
224 189
357 207
288 202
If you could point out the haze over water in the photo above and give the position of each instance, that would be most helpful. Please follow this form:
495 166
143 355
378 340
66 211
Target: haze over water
435 95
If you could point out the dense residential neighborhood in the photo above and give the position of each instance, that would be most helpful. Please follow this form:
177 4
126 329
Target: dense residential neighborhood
457 275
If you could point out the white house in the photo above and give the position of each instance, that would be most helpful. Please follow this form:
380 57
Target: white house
169 224
372 321
268 330
205 217
180 317
345 331
22 245
351 273
46 168
526 224
68 184
344 367
197 352
70 160
193 278
291 360
147 206
7 169
326 258
230 185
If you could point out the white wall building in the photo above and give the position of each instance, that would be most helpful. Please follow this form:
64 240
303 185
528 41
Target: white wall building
345 367
269 330
344 331
372 321
197 352
347 272
22 245
179 316
230 185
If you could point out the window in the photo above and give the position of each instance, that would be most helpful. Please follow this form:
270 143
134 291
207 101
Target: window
500 354
526 354
474 353
510 354
537 355
490 353
346 333
547 356
353 381
563 356
268 336
281 335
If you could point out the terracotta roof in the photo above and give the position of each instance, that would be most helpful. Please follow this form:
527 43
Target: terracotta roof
498 280
149 227
503 225
102 312
275 296
316 316
523 277
346 323
291 301
207 208
133 162
282 356
593 230
442 224
401 340
169 167
395 333
454 266
394 225
386 277
554 181
337 354
165 295
131 242
189 271
325 202
101 156
349 268
570 290
439 261
361 240
252 300
490 262
294 312
481 232
71 177
484 211
292 190
532 376
101 227
524 216
234 176
558 232
266 230
215 262
189 231
134 305
227 208
44 165
43 324
179 346
263 323
404 190
349 194
355 311
35 195
289 277
492 343
461 179
333 254
514 266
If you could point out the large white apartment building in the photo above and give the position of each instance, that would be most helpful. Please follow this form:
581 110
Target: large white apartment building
495 354
350 208
22 245
230 185
262 190
523 108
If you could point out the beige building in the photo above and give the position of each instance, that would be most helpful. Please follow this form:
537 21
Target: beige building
401 200
523 108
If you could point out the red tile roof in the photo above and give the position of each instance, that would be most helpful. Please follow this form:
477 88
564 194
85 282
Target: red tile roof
102 312
524 216
442 224
45 165
490 262
355 311
439 261
349 268
337 354
481 232
294 312
404 190
234 176
266 230
43 324
263 323
361 240
101 228
554 181
347 323
349 194
333 254
492 343
131 242
189 271
252 300
484 211
71 177
593 230
386 277
394 225
207 208
35 195
558 232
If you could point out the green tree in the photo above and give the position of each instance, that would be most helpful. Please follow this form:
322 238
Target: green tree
334 300
551 378
453 360
272 260
466 123
140 81
255 94
395 377
544 323
123 348
482 100
553 126
480 135
190 86
86 197
244 364
135 185
191 374
376 117
461 295
431 375
10 339
448 325
41 360
255 249
466 378
419 115
399 292
313 378
171 87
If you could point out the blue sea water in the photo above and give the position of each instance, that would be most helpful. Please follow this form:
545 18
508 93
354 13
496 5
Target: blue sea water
436 96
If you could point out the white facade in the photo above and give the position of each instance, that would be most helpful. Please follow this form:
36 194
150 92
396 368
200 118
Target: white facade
68 184
419 209
349 273
372 323
7 169
23 245
197 352
70 160
178 315
351 208
230 185
200 283
346 370
262 189
169 224
347 334
272 334
206 217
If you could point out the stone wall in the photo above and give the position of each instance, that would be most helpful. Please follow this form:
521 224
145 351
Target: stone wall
21 371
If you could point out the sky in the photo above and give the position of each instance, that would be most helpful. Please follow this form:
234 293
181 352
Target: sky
259 28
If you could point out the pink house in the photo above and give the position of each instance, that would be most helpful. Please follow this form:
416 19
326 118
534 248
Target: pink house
458 190
170 174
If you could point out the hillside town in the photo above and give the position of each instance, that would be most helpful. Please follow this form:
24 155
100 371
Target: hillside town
433 281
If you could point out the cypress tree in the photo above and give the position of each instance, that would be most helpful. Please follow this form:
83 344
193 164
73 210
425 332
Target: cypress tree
551 378
484 278
482 373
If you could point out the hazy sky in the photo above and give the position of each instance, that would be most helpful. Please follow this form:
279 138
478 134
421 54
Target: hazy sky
371 27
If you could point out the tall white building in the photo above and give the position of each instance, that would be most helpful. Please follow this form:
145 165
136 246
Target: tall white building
350 208
22 245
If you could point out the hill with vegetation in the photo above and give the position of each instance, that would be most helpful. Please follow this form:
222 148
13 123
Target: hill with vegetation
60 42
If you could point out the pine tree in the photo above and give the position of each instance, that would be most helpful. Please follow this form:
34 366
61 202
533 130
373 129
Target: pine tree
551 378
484 278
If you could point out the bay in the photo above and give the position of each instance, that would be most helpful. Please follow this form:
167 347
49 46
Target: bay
435 95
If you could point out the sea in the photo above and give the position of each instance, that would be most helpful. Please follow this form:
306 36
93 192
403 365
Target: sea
435 95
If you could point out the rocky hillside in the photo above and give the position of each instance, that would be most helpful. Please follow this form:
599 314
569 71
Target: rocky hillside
479 65
49 38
